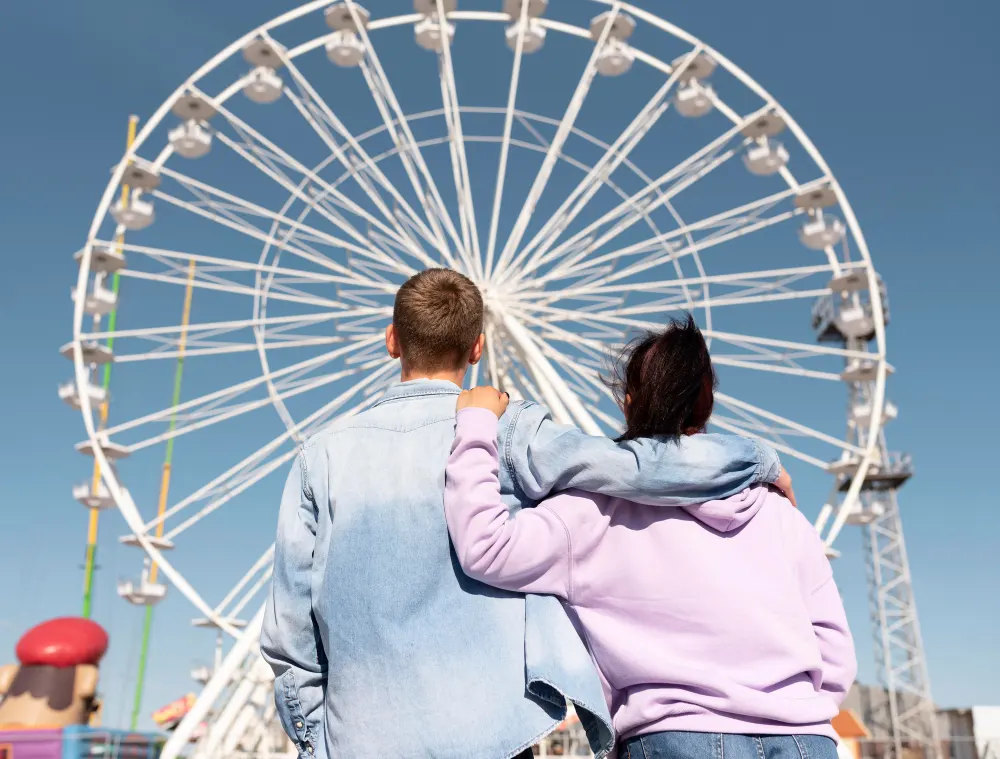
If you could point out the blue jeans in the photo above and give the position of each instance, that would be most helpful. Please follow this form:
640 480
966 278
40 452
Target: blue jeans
680 745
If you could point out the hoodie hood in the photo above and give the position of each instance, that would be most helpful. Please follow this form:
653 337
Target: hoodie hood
728 514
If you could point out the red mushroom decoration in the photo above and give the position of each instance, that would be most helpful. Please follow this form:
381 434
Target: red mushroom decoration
62 642
56 682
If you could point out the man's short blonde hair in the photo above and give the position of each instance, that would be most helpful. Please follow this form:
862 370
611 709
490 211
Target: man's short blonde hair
438 316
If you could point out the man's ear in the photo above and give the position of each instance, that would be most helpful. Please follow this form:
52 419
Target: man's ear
391 343
85 682
477 349
7 674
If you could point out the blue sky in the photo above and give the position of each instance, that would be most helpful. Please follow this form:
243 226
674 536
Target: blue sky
895 95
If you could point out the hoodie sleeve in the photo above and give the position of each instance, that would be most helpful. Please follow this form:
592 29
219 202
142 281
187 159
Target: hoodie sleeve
529 551
826 610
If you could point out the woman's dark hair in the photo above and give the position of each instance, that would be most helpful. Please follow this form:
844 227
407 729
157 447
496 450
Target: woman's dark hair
664 382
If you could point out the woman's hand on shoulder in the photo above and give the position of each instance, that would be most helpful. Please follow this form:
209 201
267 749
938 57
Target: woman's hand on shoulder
484 397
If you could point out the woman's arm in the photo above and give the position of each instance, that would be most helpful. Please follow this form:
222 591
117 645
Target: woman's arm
529 551
826 612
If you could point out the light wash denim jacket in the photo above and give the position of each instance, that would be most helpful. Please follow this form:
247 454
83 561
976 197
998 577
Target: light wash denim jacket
381 647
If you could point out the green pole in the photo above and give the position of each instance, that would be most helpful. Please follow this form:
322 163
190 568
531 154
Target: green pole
90 561
168 461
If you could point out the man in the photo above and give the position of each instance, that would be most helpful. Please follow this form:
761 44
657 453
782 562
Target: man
381 647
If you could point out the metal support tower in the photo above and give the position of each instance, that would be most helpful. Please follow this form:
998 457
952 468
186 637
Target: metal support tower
907 716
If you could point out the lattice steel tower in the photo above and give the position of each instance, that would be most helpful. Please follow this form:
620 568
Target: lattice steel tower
907 715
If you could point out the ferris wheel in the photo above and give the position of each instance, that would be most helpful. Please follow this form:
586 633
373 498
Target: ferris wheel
593 173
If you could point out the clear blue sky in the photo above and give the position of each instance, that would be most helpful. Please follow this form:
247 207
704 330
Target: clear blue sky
898 96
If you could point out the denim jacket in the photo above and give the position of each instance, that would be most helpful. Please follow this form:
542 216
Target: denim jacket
381 646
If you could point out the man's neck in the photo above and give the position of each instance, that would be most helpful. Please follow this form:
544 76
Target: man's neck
456 377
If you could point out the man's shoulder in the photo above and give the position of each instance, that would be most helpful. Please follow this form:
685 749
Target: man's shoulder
522 415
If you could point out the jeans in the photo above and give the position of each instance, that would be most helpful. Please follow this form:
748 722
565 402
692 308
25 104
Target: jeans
681 745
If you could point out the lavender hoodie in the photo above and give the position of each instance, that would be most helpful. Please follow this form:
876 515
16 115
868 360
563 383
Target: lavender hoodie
719 618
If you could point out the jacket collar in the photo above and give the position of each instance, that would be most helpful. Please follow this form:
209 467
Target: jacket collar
418 388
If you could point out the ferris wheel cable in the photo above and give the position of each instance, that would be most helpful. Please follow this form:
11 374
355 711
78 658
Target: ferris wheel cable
264 563
238 324
735 403
252 592
234 390
555 148
260 212
613 157
682 168
227 413
549 381
246 130
239 470
234 288
262 472
738 278
634 215
319 103
407 156
779 447
710 241
380 88
214 263
463 185
515 76
334 218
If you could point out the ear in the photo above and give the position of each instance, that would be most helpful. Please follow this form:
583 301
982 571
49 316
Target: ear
477 349
7 674
391 343
85 683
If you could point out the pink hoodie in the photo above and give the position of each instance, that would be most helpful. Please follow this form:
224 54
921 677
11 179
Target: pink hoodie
719 618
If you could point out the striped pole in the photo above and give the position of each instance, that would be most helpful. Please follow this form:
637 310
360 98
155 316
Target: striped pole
90 561
164 491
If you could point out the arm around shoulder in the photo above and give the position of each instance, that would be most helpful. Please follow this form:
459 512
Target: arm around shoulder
543 456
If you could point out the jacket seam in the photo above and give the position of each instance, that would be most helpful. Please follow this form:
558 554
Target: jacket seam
508 445
420 394
570 590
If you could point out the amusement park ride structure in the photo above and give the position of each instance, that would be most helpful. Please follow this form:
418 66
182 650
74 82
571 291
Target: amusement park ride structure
363 208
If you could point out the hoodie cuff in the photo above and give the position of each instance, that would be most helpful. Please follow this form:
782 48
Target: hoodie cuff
768 464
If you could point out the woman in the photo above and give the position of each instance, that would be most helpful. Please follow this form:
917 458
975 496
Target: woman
717 629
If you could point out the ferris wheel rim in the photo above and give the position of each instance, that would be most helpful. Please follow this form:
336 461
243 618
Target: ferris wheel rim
127 506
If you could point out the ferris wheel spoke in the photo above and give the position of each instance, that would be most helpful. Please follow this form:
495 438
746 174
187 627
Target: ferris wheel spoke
460 165
385 100
785 426
250 152
321 416
720 227
737 429
617 153
314 204
556 146
207 263
218 414
199 283
696 165
225 216
260 567
289 376
200 335
515 75
767 278
314 109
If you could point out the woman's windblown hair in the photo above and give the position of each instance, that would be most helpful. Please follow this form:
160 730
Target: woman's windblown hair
664 382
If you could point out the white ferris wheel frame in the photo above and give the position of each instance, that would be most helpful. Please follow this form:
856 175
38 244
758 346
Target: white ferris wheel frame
551 385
